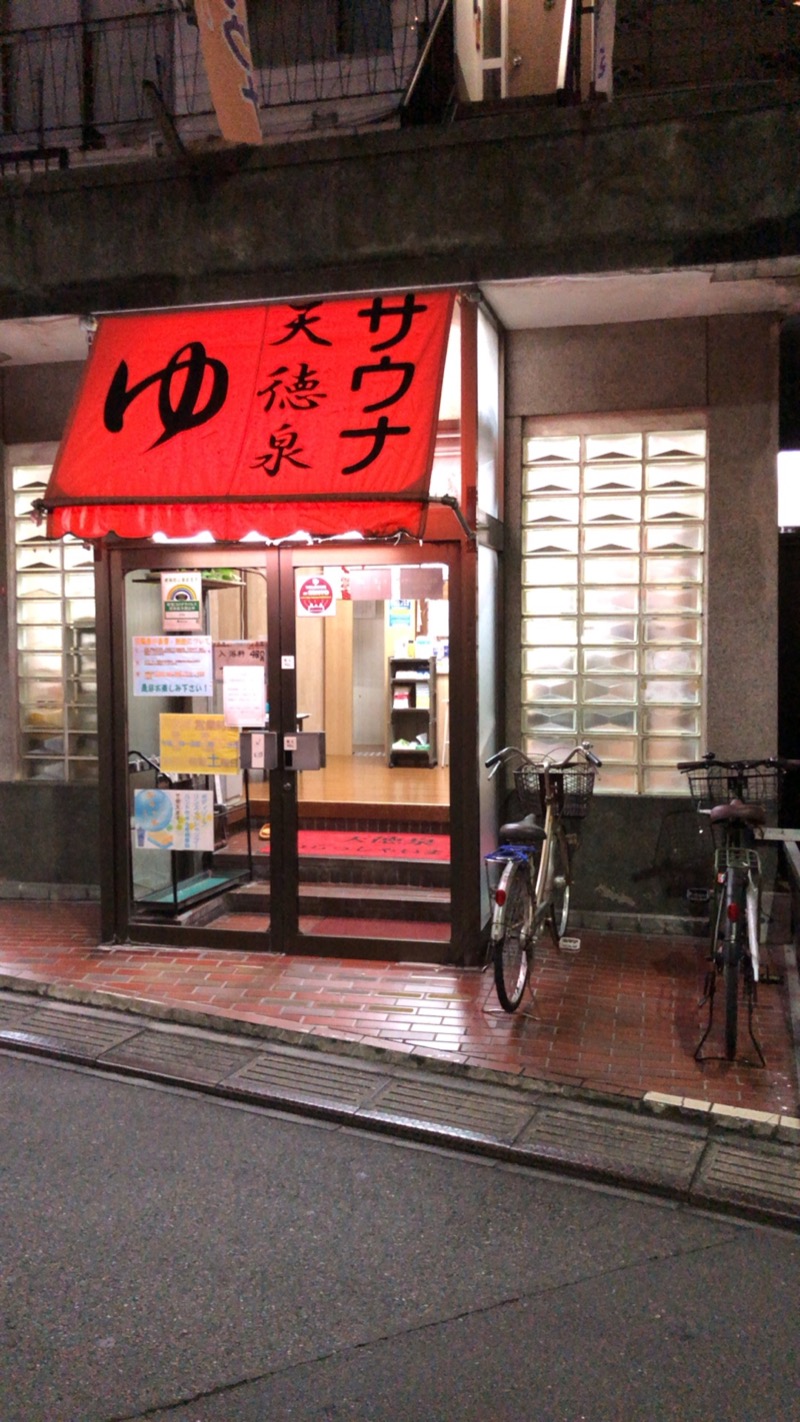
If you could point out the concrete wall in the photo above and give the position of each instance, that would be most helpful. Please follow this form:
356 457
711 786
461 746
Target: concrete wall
643 184
640 853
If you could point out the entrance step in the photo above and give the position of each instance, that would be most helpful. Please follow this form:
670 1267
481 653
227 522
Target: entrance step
368 901
357 934
347 869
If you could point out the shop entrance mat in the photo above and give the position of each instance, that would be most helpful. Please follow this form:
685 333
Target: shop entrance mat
365 844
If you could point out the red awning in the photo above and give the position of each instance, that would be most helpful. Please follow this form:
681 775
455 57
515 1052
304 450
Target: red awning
317 416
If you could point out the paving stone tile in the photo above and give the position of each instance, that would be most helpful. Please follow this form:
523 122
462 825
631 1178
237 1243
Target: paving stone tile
622 1013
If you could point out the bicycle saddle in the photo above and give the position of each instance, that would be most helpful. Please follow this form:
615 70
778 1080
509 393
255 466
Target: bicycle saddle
737 812
522 831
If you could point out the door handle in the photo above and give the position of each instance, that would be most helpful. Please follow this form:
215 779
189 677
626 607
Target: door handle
516 61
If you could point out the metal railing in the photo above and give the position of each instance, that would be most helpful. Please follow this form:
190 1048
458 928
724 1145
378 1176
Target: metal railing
85 83
661 45
91 84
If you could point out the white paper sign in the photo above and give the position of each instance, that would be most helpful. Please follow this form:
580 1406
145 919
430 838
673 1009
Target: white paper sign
251 653
172 666
243 696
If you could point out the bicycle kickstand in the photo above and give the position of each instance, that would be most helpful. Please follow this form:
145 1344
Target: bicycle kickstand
709 989
751 1002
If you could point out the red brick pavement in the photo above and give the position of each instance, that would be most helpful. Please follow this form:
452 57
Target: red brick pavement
621 1016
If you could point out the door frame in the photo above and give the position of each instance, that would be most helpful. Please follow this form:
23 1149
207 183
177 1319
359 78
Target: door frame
114 560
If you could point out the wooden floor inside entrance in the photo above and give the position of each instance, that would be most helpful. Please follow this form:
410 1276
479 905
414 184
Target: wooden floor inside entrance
355 787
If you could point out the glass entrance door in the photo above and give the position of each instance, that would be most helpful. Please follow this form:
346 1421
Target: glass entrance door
287 751
373 824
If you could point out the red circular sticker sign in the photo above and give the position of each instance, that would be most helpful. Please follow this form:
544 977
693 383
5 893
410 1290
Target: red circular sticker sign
315 596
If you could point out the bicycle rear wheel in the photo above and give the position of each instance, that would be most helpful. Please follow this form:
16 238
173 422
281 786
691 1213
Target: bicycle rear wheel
560 880
512 951
730 973
731 957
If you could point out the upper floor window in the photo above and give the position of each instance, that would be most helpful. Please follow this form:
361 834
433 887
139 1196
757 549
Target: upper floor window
56 646
612 599
308 31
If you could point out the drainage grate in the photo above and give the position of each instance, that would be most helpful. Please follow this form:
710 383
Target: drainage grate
321 1083
752 1178
188 1058
456 1110
646 1153
12 1013
73 1034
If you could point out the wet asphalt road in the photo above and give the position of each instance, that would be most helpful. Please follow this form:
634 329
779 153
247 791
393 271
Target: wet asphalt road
169 1256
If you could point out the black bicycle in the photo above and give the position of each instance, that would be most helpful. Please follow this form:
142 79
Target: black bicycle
736 797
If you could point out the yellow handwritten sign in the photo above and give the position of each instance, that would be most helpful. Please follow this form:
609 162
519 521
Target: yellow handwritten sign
198 745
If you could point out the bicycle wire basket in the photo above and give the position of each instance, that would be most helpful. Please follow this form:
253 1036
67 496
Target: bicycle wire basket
757 783
572 786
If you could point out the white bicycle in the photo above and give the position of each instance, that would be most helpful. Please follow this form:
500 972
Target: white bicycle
529 873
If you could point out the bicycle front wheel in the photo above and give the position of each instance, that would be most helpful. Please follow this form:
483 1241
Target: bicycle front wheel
560 882
511 951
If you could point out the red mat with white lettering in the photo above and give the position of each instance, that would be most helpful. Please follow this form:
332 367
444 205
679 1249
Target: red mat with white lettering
363 844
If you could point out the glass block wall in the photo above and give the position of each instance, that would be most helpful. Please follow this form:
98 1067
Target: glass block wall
56 647
612 601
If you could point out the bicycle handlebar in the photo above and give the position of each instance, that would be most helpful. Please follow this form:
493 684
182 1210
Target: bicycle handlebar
710 760
500 757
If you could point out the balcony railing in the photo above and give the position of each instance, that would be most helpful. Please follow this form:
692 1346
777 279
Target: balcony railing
89 84
668 45
108 83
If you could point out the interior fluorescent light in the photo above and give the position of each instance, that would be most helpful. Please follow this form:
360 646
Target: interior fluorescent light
789 488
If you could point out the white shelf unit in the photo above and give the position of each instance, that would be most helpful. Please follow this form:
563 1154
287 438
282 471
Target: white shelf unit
412 711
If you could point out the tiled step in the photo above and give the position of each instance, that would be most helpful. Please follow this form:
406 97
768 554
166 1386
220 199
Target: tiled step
418 932
418 904
416 873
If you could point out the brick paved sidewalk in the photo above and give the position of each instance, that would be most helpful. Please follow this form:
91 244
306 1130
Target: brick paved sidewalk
619 1017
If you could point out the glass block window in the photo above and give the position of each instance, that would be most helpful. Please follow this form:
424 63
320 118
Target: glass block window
56 647
612 600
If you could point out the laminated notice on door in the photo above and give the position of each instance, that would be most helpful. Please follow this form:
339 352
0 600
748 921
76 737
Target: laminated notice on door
198 745
173 819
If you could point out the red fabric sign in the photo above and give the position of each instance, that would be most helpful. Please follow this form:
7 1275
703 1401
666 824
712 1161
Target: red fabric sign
234 420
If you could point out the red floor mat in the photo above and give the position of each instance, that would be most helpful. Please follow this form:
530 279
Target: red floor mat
363 844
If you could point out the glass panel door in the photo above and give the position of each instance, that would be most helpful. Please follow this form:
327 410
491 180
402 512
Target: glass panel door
288 751
197 747
373 821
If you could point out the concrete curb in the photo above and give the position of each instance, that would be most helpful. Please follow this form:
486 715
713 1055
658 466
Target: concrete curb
757 1123
730 1162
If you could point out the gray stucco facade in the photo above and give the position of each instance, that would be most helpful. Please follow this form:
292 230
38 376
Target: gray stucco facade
656 184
